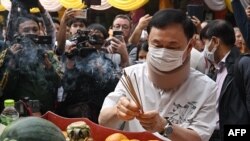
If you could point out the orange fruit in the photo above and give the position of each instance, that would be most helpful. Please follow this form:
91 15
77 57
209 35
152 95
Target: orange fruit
116 137
130 140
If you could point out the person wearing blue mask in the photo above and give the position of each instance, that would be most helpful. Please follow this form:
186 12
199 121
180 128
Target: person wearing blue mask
176 101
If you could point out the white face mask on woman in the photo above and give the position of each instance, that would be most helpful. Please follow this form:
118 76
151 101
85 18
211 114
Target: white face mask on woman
209 54
165 59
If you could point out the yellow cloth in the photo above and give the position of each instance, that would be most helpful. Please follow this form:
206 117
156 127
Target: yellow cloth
2 8
229 6
127 5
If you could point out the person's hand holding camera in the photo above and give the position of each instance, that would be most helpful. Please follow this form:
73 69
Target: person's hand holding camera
68 14
47 62
119 46
70 53
15 48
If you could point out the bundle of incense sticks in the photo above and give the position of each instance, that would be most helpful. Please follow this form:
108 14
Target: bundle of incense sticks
127 83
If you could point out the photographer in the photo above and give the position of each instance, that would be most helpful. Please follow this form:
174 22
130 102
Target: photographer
28 68
122 46
73 20
20 8
89 76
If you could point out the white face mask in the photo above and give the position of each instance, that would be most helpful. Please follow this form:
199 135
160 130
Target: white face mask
209 54
165 59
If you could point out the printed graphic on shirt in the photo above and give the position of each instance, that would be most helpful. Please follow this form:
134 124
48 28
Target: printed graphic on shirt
180 113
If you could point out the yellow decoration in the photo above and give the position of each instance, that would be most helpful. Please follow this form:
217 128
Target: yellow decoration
34 10
2 8
76 4
229 6
127 5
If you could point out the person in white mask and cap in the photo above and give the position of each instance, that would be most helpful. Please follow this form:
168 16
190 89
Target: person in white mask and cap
176 102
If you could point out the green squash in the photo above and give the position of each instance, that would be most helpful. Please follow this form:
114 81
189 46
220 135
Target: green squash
32 129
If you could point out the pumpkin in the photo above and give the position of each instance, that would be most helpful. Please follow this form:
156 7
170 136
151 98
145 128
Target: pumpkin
32 129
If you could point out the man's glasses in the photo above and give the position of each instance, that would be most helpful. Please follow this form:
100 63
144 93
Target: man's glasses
120 26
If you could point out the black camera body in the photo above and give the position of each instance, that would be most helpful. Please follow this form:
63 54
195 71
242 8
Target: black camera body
29 3
35 38
83 39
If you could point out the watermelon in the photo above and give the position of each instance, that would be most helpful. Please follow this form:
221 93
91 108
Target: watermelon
32 129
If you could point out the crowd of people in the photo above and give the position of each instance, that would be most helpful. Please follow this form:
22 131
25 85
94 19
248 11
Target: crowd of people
191 77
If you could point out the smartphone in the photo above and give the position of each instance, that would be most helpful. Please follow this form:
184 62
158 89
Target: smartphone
81 13
118 34
196 10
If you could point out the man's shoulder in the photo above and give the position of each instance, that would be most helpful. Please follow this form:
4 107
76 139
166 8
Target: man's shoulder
137 68
200 78
245 58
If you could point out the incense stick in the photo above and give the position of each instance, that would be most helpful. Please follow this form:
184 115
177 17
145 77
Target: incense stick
127 83
138 91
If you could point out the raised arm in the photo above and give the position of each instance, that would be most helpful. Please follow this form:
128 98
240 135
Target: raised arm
49 25
62 31
143 23
13 14
242 20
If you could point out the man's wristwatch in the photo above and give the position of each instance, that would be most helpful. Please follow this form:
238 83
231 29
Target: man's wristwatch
168 129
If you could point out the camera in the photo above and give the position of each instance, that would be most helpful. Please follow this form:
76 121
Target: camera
35 38
84 42
82 38
29 4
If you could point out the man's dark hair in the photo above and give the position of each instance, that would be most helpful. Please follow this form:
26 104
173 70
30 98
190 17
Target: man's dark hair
101 28
74 20
23 19
222 30
168 17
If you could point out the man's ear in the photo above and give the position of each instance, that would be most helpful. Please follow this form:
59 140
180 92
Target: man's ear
190 45
216 41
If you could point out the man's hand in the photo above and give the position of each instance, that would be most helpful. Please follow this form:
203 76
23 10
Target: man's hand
144 21
117 46
126 109
47 62
15 48
197 23
68 14
152 121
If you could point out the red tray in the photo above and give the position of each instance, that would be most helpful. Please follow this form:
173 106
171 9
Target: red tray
98 132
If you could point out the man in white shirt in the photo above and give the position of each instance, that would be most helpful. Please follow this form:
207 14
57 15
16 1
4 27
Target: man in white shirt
177 102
